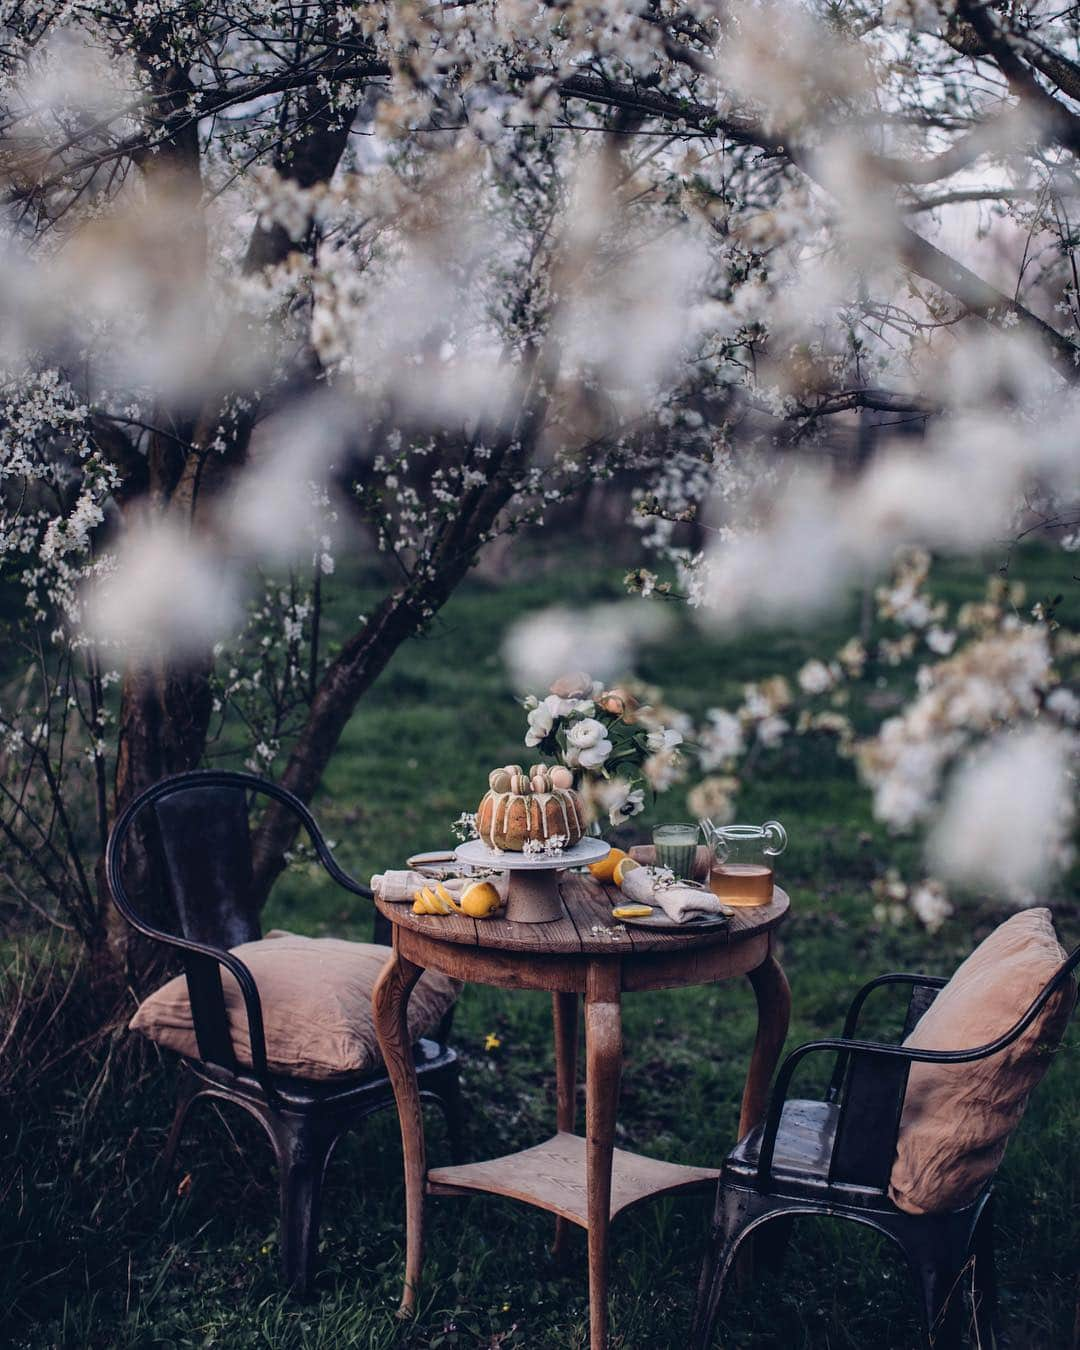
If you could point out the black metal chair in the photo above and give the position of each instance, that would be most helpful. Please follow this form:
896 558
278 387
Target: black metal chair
834 1157
197 832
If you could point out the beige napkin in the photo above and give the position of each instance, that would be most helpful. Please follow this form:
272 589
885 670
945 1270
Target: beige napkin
680 901
400 886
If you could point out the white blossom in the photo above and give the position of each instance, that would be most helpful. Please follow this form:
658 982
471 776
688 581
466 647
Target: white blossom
1007 820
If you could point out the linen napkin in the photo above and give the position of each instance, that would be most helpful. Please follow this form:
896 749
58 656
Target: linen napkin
400 886
680 901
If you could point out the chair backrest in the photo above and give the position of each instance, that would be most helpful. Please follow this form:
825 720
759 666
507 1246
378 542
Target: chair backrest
196 832
202 845
874 1093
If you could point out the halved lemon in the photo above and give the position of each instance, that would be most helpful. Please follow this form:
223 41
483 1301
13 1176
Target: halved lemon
624 865
604 870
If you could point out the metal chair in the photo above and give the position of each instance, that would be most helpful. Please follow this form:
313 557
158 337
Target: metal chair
197 833
834 1157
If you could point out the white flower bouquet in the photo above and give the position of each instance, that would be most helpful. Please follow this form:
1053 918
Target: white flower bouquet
616 742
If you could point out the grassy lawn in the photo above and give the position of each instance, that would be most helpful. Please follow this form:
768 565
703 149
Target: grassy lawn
90 1253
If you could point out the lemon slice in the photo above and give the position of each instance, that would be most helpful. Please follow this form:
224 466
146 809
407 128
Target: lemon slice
444 895
423 901
631 911
623 866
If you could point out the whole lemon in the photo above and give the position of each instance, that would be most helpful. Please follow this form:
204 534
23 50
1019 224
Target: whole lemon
479 899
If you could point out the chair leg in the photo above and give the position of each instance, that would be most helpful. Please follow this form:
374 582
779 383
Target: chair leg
771 1241
986 1320
303 1146
939 1264
187 1091
735 1211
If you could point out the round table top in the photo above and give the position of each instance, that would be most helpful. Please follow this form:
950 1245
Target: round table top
586 926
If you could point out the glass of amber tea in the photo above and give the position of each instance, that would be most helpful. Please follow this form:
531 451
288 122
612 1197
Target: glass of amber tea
741 860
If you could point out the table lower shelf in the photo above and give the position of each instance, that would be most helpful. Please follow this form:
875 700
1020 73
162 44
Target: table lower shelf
552 1176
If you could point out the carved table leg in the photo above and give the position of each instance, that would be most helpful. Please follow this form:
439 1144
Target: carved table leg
564 1008
774 1010
603 1068
390 1003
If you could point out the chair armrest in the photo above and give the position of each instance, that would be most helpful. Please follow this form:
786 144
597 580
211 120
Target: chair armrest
879 1050
249 991
324 853
854 1012
194 953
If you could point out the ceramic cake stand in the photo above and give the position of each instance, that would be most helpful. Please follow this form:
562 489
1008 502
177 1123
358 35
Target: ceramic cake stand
533 895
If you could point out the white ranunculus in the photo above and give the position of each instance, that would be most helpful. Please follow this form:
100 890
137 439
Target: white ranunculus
594 756
587 733
541 721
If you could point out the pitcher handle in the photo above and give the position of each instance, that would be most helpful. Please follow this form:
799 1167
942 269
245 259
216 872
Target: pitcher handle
714 840
774 831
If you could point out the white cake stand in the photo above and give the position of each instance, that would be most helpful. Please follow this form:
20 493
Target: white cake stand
533 894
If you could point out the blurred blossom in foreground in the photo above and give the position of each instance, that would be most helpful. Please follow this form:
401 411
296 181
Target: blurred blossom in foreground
601 639
168 593
961 490
1007 819
279 507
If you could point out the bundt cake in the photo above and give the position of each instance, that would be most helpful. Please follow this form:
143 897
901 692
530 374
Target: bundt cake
533 808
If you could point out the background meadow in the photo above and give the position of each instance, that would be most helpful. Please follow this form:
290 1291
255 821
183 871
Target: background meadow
98 1249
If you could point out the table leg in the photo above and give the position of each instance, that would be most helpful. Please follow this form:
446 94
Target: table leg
390 1003
564 1009
774 1010
603 1068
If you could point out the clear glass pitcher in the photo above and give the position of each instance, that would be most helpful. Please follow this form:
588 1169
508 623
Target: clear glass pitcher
740 860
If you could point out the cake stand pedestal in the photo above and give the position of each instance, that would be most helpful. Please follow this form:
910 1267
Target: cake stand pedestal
533 894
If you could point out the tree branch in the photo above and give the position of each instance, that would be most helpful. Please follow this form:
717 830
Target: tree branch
1062 124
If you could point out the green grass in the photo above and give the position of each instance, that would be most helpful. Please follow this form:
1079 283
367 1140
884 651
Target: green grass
91 1254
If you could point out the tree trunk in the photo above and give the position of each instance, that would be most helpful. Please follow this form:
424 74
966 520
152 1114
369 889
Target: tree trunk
165 707
164 716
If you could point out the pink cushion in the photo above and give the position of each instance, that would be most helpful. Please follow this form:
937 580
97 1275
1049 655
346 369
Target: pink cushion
957 1118
316 1003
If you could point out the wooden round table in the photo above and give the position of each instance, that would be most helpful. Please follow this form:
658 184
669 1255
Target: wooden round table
582 1180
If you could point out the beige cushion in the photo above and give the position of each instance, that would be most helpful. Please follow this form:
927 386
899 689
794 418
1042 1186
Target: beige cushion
957 1118
316 1004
